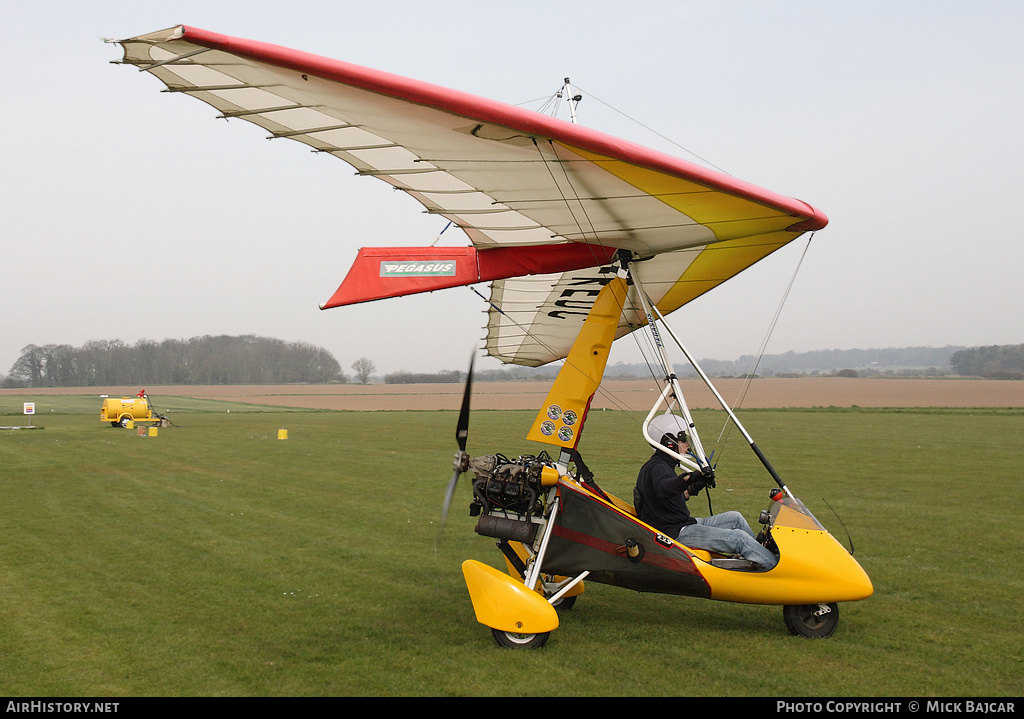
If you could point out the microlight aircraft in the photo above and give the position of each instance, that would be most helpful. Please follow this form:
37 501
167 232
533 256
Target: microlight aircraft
584 238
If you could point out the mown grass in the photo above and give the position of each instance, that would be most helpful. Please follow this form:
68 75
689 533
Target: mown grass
217 560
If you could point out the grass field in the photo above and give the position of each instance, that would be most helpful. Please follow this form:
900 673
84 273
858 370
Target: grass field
217 560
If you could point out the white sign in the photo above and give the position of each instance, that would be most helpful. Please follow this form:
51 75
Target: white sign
30 408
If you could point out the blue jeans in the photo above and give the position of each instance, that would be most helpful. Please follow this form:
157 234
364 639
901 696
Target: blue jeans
727 533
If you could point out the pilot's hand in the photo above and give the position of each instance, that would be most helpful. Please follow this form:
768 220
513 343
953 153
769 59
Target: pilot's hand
708 477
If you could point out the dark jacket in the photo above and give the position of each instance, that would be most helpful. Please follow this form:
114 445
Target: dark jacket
659 496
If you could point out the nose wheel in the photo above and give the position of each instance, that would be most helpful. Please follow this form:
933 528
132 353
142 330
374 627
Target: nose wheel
511 640
811 620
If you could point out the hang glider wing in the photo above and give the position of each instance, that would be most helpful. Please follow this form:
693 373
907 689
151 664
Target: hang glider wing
553 201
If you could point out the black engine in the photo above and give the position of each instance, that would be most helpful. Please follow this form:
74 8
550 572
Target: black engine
507 494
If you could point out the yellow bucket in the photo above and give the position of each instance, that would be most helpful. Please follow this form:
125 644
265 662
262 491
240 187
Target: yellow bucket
282 434
152 431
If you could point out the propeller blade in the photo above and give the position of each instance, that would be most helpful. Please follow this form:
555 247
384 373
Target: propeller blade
448 496
462 429
461 435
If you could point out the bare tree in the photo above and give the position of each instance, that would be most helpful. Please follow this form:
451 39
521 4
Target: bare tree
363 369
30 365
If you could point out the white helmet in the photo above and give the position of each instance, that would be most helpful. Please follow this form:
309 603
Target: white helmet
669 424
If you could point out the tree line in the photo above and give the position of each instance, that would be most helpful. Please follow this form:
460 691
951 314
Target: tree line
250 359
197 361
996 362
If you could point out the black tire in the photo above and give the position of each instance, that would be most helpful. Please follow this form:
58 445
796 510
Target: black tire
565 603
815 621
115 424
125 420
511 640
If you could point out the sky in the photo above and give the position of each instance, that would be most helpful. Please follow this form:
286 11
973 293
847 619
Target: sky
129 214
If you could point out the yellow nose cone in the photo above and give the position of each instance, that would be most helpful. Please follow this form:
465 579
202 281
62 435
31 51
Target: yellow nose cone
505 604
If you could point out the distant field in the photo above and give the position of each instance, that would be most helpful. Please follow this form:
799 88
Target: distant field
622 394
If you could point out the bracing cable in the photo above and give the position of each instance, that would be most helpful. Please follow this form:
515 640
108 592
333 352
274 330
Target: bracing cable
727 428
652 130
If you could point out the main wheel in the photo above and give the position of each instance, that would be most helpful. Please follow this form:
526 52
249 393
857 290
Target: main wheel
564 604
511 640
550 588
125 420
811 620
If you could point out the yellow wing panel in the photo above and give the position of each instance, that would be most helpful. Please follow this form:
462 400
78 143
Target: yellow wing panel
728 216
719 262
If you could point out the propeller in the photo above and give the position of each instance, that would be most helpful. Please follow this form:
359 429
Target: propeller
461 433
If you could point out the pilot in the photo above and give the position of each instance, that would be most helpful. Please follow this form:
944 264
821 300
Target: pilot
660 497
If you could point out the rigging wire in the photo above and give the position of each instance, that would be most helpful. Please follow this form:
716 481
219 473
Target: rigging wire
436 239
546 99
727 428
775 320
549 104
561 192
651 129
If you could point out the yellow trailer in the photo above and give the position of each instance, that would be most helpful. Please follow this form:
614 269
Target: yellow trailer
121 411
